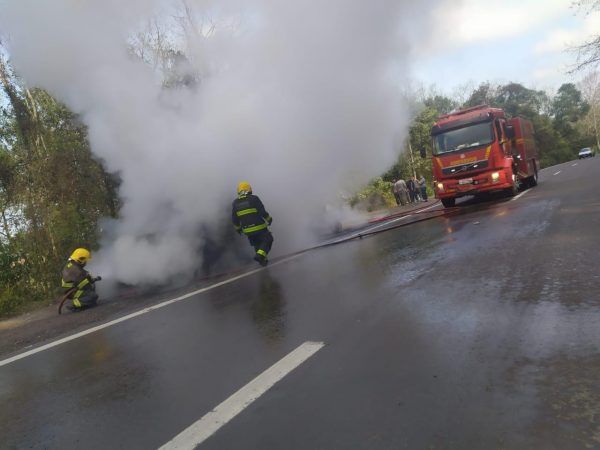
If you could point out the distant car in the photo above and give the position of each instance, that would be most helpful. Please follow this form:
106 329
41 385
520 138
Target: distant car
586 153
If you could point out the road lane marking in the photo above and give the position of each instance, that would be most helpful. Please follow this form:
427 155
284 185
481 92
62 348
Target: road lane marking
520 195
557 172
573 165
206 426
138 313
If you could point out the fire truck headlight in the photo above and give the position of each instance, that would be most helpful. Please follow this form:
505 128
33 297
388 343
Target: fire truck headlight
495 176
440 186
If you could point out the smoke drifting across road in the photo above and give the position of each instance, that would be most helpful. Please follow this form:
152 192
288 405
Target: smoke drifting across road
301 98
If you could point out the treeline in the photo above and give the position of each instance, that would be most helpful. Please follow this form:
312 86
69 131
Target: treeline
52 191
563 123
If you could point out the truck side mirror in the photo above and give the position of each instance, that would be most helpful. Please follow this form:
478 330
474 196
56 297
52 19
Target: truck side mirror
423 152
510 132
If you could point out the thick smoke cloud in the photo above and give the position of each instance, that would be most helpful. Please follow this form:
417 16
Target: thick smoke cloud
300 98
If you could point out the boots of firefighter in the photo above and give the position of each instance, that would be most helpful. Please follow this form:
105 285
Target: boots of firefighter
261 257
88 299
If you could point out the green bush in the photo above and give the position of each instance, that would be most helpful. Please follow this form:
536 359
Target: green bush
376 195
10 300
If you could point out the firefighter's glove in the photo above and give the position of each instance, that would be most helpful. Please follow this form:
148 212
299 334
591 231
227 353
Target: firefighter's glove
270 220
98 278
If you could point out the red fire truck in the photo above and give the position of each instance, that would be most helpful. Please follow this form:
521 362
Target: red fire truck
479 150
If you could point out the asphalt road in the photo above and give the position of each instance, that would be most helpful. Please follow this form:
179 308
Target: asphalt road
477 330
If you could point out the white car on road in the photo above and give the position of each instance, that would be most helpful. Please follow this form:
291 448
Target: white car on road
586 153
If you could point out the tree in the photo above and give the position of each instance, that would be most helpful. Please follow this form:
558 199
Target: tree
552 146
441 104
52 191
484 94
588 53
419 137
517 100
590 90
568 107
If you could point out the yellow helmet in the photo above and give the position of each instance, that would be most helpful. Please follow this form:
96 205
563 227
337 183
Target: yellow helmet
244 186
81 255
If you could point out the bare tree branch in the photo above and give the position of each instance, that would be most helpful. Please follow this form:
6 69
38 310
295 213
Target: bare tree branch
588 53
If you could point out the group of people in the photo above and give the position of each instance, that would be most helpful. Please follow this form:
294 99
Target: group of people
413 190
249 218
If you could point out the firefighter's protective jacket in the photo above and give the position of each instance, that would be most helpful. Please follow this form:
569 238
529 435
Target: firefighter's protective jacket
74 275
248 214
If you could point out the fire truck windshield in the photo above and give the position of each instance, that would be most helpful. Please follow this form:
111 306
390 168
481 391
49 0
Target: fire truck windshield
463 138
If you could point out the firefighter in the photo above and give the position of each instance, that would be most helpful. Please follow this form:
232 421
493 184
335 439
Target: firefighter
75 276
250 218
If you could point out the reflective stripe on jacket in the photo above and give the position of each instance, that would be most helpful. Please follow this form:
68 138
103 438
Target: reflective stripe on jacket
248 214
75 276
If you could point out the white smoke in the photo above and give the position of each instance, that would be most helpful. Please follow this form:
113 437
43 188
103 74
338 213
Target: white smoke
299 97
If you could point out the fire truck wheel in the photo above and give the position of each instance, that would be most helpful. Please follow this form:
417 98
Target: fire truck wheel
533 180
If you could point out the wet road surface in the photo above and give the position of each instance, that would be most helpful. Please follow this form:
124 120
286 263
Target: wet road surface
477 330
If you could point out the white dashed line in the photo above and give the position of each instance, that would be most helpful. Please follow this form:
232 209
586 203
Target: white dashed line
205 427
137 313
556 173
573 165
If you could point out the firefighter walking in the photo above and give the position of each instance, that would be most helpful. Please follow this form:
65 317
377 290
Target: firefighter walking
75 276
249 217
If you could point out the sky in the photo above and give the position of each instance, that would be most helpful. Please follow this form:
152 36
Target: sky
524 41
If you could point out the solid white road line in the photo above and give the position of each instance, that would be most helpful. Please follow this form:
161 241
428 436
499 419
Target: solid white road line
137 313
201 430
556 173
520 195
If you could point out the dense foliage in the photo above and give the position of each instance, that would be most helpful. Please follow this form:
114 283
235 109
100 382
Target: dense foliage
52 192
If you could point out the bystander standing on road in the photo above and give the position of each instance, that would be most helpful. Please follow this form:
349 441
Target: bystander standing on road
417 190
402 191
423 187
395 192
412 189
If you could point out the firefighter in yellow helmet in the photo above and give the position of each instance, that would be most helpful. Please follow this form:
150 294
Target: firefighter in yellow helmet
75 276
249 217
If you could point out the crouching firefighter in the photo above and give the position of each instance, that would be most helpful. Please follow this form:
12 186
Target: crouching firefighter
250 218
79 281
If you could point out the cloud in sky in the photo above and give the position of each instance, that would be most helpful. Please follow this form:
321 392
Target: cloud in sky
474 40
475 21
560 39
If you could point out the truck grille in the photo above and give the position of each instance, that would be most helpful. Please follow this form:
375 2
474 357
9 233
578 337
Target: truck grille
477 165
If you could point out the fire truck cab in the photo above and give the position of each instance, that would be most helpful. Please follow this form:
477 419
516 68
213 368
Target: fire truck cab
479 150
